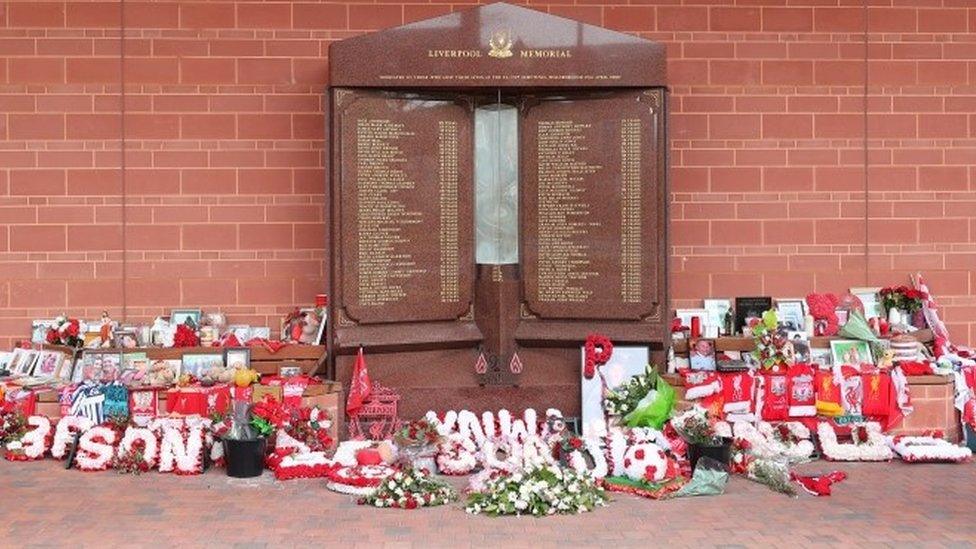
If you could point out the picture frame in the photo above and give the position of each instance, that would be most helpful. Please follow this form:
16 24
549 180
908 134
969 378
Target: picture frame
238 358
747 308
821 357
850 352
134 367
5 358
125 338
98 365
717 310
66 369
262 332
241 331
791 313
701 355
48 363
199 364
685 316
22 362
180 316
800 343
39 330
870 300
625 363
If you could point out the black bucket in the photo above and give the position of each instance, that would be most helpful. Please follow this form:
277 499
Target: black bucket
244 458
721 453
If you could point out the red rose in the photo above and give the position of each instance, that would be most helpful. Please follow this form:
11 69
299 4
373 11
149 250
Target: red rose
639 454
73 328
576 443
52 336
411 503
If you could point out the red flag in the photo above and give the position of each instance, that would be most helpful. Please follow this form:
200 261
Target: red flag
360 386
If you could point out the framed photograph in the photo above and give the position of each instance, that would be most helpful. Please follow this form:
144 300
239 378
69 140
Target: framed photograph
685 316
748 309
39 330
701 354
241 331
134 367
66 369
125 338
800 345
238 358
181 316
5 358
98 365
791 313
625 363
821 358
48 363
717 310
869 298
200 364
851 352
23 361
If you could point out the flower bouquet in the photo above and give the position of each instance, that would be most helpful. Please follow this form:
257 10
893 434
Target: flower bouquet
417 443
245 443
906 301
538 491
705 434
66 331
770 342
410 489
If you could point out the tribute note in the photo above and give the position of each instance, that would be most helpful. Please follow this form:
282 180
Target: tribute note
590 218
407 197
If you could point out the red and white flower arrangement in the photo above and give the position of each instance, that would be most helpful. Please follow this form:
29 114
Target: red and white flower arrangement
790 440
32 444
96 447
868 443
410 489
65 432
457 455
181 449
294 465
358 480
138 451
928 449
66 331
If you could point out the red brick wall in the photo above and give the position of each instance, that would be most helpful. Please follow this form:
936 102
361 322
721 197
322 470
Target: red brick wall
218 201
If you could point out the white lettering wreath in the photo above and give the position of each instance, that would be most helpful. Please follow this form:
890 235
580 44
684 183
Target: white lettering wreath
96 448
65 432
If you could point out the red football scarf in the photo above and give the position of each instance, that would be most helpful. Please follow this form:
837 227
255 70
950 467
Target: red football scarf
776 397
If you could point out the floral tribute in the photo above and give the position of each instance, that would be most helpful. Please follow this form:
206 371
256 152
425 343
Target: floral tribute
456 455
358 480
868 444
902 297
96 447
789 440
596 351
770 342
410 489
30 438
648 472
182 447
624 399
698 426
538 491
417 433
138 451
930 448
66 331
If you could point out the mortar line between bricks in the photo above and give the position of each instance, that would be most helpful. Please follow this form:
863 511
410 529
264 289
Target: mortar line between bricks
122 151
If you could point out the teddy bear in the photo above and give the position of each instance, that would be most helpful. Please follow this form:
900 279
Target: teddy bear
823 309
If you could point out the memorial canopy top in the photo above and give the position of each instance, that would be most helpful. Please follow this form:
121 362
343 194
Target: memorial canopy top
497 45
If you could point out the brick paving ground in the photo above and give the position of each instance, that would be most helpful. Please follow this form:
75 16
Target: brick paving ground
880 504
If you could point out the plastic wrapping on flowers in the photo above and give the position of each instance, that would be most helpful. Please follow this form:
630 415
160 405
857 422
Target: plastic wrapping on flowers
709 479
653 411
538 491
773 473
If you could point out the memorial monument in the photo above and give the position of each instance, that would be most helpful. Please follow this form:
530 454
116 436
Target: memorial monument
498 190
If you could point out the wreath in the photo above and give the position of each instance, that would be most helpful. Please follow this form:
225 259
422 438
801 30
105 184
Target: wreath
597 351
869 444
181 450
138 451
64 433
358 480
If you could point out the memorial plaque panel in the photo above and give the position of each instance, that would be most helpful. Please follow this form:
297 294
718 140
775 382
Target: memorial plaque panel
406 208
591 214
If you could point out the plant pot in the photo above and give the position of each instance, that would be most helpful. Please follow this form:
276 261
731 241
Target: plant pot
244 458
721 453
